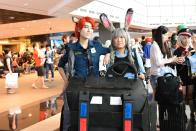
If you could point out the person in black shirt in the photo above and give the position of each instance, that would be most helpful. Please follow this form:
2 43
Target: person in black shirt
184 51
143 42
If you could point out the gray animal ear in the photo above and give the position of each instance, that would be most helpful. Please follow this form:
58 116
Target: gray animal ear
128 18
106 22
75 19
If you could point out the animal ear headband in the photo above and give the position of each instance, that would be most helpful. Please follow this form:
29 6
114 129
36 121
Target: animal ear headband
106 22
109 25
128 18
75 19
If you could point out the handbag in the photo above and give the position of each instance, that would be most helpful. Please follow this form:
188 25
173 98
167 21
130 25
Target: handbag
150 90
11 80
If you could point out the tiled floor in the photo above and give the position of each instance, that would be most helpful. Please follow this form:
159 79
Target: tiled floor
25 95
52 122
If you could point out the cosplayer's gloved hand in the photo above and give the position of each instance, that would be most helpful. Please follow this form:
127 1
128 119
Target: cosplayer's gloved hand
106 59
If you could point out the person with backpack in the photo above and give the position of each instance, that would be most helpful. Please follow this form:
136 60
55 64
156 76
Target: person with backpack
164 77
158 54
123 53
121 49
83 60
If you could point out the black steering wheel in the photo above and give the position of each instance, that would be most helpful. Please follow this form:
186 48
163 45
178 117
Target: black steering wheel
127 68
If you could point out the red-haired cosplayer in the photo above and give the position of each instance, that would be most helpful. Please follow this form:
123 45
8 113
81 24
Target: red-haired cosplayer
83 22
82 58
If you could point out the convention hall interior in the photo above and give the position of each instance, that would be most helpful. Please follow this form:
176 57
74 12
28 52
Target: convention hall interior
25 22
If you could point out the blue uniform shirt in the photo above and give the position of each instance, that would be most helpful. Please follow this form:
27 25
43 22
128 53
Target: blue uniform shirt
147 50
81 64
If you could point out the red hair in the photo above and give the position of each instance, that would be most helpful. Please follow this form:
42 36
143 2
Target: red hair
148 39
81 24
64 37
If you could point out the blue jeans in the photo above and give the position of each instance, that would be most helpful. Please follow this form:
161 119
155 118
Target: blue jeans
153 81
49 67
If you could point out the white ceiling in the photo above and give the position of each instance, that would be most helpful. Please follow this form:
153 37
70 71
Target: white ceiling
44 7
146 12
58 8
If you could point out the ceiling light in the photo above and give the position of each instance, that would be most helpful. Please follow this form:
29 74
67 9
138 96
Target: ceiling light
26 4
11 17
29 115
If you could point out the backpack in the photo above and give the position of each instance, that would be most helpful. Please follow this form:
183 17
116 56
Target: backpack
168 89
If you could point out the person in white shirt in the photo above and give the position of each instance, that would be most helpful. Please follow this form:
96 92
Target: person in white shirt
158 55
49 62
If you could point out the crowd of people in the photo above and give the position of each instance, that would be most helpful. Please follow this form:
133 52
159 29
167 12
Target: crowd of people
16 61
150 55
80 58
30 61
